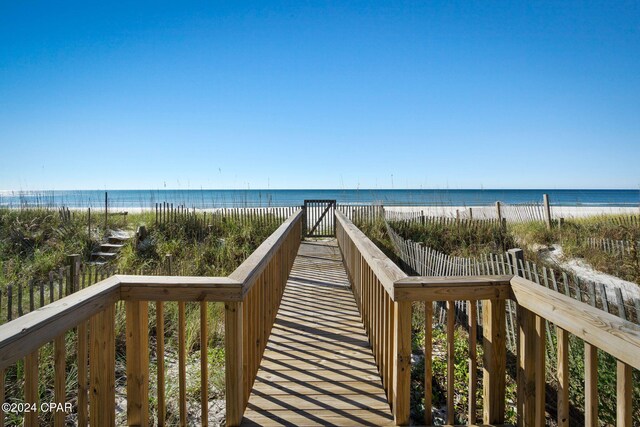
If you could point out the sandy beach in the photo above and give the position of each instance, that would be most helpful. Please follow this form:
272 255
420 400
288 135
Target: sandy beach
490 211
443 211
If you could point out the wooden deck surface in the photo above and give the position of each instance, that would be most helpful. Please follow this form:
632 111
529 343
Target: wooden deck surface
318 368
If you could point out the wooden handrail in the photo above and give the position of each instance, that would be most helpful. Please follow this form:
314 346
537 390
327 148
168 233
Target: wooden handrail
251 268
27 333
618 337
452 288
385 269
179 288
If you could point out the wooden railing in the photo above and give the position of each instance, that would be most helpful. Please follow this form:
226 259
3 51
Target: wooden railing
251 295
385 295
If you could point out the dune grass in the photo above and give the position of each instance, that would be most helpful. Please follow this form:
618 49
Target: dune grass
574 235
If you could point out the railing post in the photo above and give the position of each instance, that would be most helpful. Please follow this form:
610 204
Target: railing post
137 362
495 353
102 360
233 361
402 361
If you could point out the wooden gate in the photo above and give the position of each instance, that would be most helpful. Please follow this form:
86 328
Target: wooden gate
319 218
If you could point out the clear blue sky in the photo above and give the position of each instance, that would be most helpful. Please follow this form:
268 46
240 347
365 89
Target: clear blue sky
302 94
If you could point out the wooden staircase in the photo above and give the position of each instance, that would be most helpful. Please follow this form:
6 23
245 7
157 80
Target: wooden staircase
110 249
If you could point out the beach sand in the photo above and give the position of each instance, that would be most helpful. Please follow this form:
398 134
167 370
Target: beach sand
490 211
444 211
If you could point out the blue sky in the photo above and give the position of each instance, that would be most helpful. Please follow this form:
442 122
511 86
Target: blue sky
319 95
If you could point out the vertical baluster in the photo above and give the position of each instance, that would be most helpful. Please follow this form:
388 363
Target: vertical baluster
182 363
204 371
563 377
59 358
540 370
83 386
473 361
1 396
450 361
234 362
137 342
494 369
160 361
428 352
624 394
402 361
102 368
590 385
31 387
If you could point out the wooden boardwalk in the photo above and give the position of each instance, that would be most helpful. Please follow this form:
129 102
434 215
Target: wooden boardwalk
318 368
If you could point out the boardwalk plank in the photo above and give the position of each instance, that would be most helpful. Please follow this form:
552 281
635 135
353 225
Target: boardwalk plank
318 368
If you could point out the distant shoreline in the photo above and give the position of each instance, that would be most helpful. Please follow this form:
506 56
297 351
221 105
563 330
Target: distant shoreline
478 212
211 199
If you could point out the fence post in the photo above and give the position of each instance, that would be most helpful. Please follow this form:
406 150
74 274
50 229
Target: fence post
234 374
106 213
517 259
169 264
499 211
547 210
73 261
402 362
495 358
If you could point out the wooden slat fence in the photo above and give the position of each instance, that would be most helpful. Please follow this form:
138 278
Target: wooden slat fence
620 248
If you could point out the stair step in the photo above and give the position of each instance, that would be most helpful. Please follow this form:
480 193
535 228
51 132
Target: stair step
111 245
104 254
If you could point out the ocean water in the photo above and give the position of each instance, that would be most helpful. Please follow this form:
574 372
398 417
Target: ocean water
261 198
